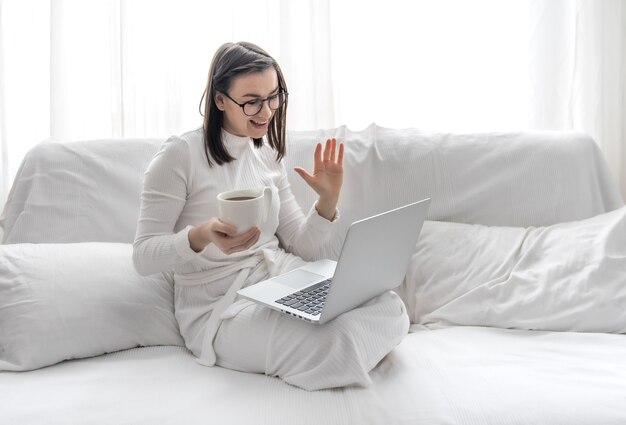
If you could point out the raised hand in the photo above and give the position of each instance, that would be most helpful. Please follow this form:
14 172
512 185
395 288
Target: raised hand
327 176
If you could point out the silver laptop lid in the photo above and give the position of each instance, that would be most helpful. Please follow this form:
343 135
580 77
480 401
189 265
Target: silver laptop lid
375 257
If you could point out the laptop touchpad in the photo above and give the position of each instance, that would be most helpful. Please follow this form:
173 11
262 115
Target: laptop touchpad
298 278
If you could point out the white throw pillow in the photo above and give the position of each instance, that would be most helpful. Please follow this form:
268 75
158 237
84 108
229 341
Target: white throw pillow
564 277
66 301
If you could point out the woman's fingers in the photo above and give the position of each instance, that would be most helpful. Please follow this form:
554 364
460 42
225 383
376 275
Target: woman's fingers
340 154
329 153
225 237
327 161
327 150
302 172
317 156
330 150
254 236
243 241
225 228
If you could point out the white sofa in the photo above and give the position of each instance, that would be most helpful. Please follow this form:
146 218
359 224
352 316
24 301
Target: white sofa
516 290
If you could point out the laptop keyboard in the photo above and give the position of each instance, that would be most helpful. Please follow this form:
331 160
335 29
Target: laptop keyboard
310 300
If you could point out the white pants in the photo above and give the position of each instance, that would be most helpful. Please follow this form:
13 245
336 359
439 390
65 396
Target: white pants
339 353
259 340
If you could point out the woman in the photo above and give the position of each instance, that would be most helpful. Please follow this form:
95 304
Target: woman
178 230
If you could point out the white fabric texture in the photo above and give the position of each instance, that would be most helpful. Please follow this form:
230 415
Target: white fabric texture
180 190
564 277
497 179
67 301
543 178
78 192
337 354
576 62
563 178
461 376
195 298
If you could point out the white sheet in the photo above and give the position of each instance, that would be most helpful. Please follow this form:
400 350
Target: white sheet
461 376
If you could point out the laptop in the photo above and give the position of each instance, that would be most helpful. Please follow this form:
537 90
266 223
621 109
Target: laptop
374 258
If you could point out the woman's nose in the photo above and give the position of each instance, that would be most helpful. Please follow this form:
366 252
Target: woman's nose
266 111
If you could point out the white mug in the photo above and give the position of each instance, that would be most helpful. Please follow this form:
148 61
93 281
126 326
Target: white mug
245 208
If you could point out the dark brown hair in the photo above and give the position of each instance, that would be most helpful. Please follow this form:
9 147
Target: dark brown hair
229 61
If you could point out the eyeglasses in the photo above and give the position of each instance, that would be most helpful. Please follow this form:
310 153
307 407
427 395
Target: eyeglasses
253 107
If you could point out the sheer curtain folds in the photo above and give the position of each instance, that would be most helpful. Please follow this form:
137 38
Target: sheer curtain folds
577 69
75 69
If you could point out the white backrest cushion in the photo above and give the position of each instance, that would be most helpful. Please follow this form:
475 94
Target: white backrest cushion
497 179
90 191
78 192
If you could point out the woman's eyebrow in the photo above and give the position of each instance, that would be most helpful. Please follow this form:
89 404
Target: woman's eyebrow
258 95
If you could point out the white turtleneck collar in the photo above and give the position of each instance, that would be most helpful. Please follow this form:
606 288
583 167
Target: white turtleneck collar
236 140
235 144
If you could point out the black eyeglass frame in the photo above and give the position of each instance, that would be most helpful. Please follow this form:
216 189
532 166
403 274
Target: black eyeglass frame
267 99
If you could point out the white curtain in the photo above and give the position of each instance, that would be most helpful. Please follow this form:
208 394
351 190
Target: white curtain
577 67
75 69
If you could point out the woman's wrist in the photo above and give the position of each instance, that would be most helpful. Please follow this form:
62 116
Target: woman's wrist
326 209
197 241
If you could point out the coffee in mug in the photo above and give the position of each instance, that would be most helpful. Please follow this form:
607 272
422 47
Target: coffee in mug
240 198
245 208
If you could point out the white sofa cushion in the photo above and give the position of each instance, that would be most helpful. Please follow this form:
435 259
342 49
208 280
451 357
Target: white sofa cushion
565 277
90 191
497 179
78 192
66 301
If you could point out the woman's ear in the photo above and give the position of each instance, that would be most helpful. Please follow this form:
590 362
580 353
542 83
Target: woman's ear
219 101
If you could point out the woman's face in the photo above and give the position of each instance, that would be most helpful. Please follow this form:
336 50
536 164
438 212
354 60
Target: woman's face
246 88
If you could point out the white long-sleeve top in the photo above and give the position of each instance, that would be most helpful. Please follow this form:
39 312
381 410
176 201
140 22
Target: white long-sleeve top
180 191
